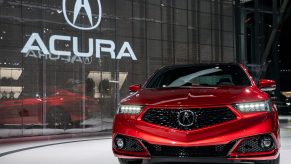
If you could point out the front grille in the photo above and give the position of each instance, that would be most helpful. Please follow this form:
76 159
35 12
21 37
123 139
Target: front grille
201 151
202 117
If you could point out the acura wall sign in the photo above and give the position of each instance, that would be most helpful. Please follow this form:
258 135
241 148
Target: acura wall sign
36 47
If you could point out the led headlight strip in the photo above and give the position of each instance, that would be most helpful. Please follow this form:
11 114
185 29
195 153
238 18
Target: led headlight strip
262 106
129 109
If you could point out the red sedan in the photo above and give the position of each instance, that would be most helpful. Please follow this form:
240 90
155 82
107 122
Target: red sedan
198 113
59 108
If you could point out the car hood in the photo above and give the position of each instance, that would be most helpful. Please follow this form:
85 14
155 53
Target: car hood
195 96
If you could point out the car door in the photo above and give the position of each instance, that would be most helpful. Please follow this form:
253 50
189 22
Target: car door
31 110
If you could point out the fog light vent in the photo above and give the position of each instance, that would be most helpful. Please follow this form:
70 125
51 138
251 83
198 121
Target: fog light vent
257 144
119 142
127 144
266 142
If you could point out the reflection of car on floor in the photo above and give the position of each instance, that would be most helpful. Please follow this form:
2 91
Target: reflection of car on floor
58 109
203 113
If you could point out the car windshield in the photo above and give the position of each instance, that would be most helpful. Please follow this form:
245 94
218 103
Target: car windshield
191 76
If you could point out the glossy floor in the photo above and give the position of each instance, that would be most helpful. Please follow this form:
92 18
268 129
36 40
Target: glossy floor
87 151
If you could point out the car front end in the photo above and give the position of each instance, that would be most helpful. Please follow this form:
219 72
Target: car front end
220 124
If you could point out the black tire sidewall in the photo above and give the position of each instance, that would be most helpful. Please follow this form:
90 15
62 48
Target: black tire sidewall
58 118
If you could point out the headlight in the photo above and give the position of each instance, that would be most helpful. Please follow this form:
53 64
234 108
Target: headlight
129 109
263 106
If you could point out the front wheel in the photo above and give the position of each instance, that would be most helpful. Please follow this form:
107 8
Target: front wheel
129 161
58 118
276 161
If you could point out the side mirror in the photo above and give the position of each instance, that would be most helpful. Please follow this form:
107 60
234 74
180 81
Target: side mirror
134 88
267 85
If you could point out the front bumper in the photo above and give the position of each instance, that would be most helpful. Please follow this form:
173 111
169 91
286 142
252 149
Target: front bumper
235 131
244 149
208 160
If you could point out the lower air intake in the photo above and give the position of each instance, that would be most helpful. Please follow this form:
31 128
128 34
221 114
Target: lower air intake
200 151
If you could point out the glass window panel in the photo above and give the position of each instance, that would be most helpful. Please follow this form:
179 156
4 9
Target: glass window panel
153 30
228 39
154 13
182 4
228 55
205 53
154 50
181 17
204 20
139 29
167 15
228 9
205 36
124 27
205 6
155 2
167 32
181 34
181 53
228 24
168 57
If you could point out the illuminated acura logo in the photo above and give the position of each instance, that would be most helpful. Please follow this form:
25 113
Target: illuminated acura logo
186 118
36 47
94 21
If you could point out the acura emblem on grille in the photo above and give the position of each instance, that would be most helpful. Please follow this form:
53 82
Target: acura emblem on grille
186 118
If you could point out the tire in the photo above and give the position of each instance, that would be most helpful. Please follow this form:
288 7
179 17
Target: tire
276 161
58 118
129 161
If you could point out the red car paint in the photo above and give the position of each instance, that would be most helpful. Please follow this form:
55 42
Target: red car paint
32 110
244 126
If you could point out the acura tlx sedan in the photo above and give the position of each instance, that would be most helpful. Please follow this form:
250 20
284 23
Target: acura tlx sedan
211 113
